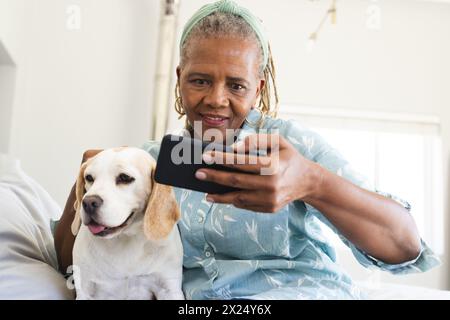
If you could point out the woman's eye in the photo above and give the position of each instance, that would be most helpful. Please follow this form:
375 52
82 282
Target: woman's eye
89 178
200 82
124 179
237 87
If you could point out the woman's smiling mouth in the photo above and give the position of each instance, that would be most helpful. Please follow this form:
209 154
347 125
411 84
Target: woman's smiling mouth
213 120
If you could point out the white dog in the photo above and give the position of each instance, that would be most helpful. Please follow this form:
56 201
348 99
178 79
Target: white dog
127 245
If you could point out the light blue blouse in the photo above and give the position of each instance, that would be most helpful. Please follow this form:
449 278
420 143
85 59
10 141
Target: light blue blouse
231 253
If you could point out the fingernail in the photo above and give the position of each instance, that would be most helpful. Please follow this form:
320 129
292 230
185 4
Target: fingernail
200 175
207 158
209 198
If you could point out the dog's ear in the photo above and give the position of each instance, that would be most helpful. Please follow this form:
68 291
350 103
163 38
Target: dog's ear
79 192
162 211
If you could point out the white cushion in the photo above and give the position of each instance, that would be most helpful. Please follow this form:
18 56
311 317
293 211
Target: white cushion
28 264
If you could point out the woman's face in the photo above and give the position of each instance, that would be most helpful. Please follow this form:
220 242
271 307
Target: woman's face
219 83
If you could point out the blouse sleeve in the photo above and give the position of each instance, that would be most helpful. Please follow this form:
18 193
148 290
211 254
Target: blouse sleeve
152 147
315 148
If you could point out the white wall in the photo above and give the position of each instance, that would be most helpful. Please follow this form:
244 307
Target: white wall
7 82
403 67
78 89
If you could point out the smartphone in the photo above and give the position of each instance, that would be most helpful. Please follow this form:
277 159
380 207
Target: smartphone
180 157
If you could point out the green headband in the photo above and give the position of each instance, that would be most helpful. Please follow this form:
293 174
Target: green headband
229 6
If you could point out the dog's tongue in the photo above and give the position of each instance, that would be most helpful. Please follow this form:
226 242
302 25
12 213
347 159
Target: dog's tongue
95 228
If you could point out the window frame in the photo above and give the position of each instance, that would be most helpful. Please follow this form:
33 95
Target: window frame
429 126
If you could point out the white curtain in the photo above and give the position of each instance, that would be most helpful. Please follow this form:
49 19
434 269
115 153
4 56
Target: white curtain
164 62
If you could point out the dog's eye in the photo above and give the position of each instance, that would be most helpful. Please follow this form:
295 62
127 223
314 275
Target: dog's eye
124 179
89 178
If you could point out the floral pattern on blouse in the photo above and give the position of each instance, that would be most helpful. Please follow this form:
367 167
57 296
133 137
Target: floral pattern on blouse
232 253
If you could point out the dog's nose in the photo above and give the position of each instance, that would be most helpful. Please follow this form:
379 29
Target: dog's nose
91 204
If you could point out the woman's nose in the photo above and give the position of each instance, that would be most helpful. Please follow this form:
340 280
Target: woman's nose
217 97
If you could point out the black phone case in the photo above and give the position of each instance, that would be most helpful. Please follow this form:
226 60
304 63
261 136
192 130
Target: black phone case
182 175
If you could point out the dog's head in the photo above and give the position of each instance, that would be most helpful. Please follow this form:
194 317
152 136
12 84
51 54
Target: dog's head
116 188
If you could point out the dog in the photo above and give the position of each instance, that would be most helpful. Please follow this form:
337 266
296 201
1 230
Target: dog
127 242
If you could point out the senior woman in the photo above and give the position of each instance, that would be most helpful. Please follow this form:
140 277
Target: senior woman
266 240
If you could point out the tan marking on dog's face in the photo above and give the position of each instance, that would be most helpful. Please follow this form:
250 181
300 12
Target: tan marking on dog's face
120 199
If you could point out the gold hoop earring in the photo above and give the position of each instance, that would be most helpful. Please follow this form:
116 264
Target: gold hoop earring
179 102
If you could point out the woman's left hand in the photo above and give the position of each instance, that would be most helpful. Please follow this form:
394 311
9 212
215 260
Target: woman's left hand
267 182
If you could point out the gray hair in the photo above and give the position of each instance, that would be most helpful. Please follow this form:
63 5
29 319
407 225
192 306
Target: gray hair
221 24
228 25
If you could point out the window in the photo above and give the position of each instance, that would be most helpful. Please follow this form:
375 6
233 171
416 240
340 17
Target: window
400 154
